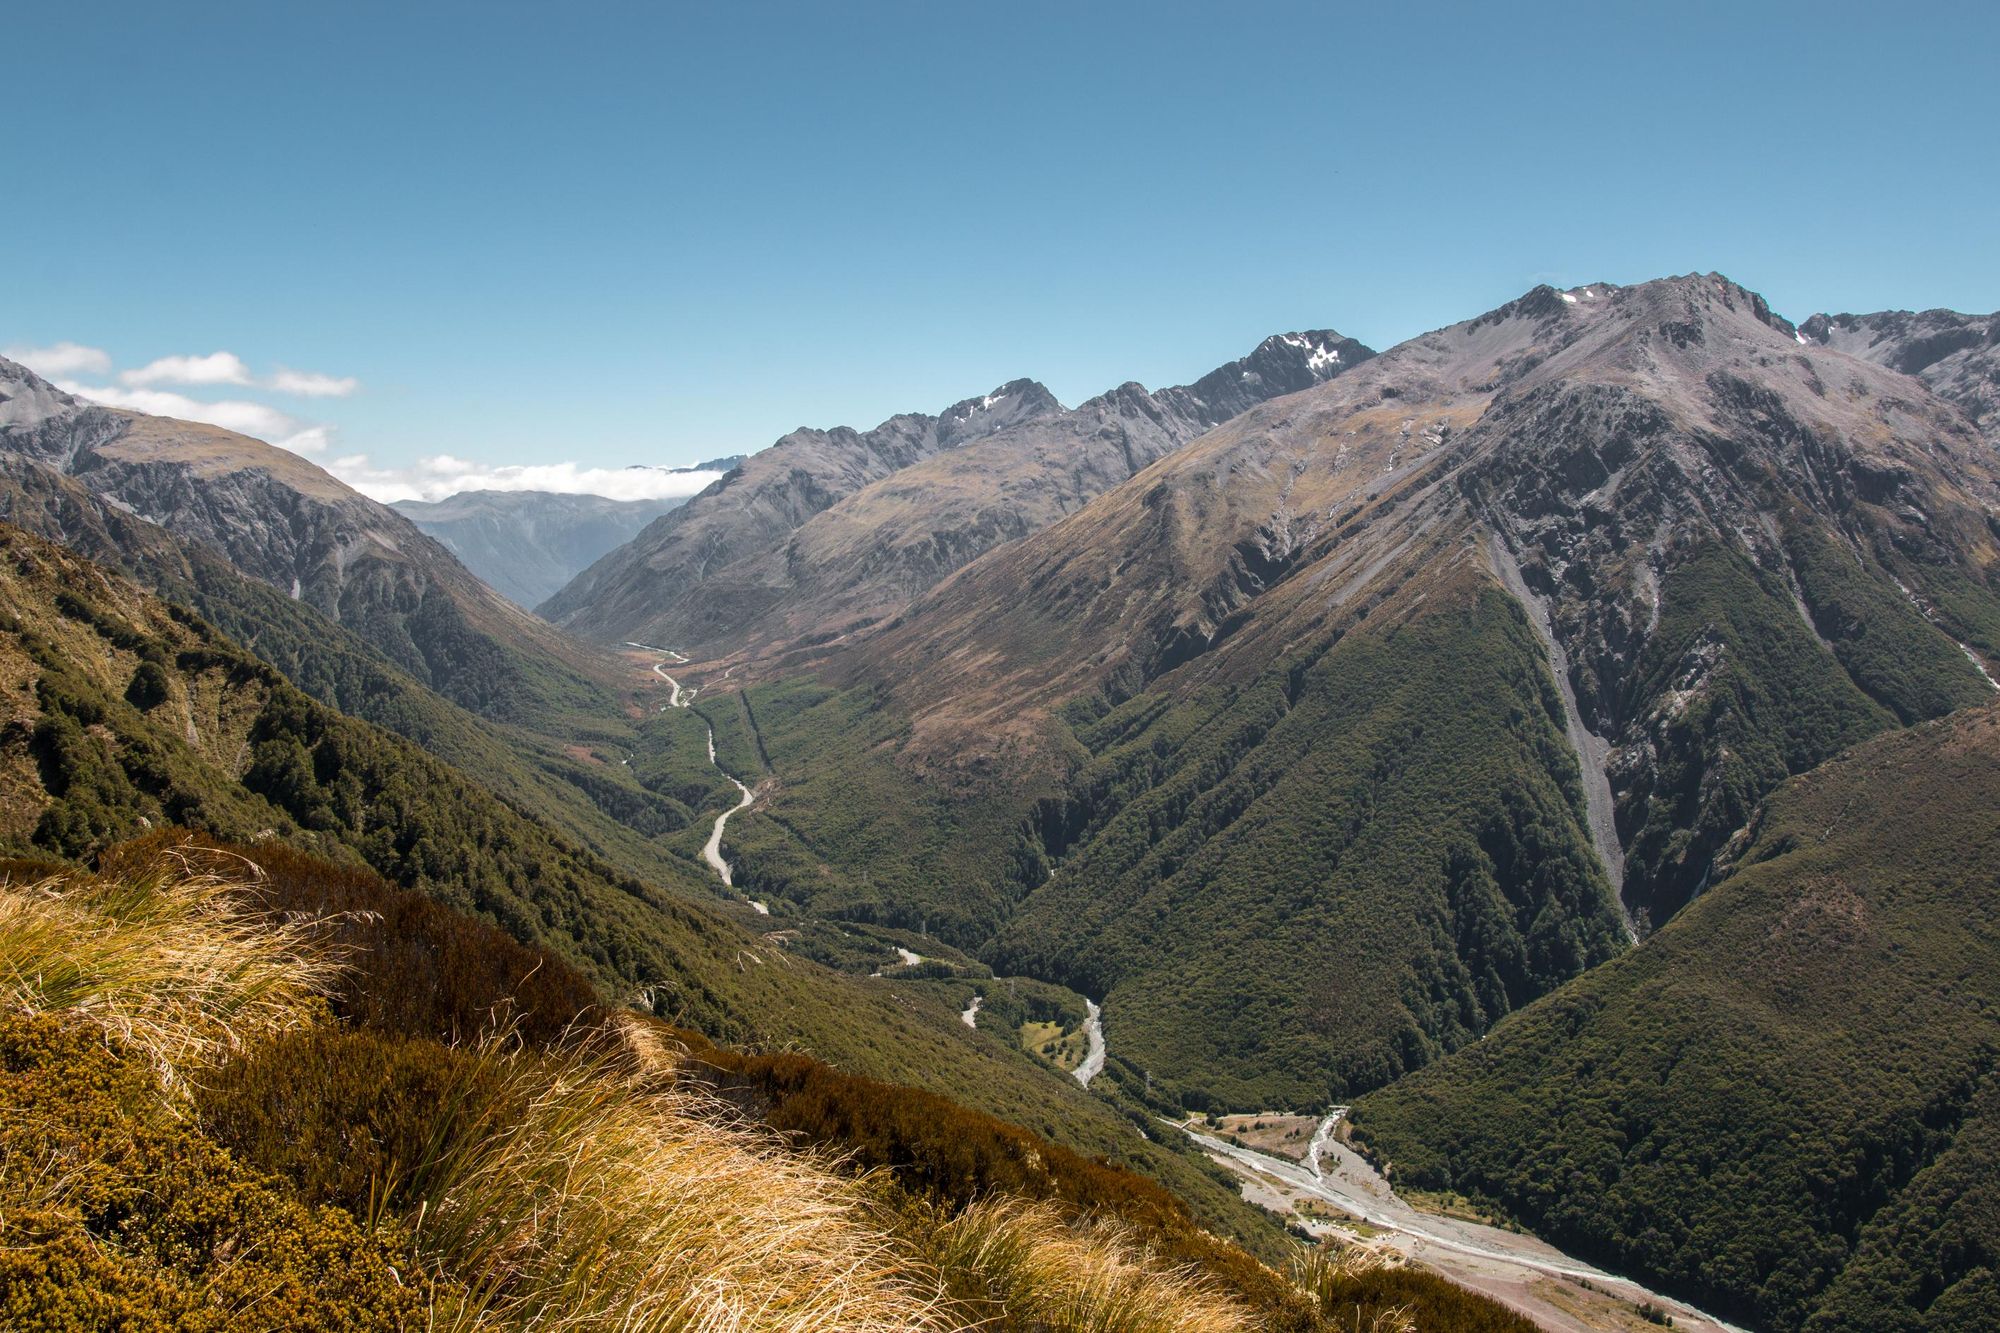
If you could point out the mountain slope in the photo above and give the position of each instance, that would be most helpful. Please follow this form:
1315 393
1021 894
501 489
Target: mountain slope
559 774
120 713
1958 356
279 519
847 552
1783 1104
527 544
648 588
1683 555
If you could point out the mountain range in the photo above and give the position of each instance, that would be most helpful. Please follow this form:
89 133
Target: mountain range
1565 735
828 530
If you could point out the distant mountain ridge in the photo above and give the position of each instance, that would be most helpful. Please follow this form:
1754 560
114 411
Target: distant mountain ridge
528 544
1957 355
831 530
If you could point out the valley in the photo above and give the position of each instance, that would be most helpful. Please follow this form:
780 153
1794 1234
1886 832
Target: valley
1369 729
1111 668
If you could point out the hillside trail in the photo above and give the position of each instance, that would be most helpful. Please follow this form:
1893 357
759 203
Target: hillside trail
711 851
1527 1275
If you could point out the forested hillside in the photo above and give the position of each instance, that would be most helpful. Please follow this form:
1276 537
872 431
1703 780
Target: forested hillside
1782 1105
1328 740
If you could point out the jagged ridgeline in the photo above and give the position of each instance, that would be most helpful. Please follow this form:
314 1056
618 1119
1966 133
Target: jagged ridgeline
1327 740
1784 1104
830 531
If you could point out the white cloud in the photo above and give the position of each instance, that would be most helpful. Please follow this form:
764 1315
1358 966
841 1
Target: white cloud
215 368
65 358
440 475
248 418
312 384
229 368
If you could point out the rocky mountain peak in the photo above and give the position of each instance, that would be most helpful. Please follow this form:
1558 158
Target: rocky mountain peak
1283 363
1010 405
26 399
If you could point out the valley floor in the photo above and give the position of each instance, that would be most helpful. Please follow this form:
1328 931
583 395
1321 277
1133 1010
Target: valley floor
1335 1192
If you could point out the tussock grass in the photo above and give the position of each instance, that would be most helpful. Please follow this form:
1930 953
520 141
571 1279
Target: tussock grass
605 1201
171 963
1033 1268
1338 1279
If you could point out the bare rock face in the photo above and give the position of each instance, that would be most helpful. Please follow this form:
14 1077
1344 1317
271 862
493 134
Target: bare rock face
284 521
828 532
1958 356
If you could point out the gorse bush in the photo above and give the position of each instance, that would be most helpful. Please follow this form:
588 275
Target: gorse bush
116 1214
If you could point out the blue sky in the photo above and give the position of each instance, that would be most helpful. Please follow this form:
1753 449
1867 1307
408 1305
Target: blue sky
597 234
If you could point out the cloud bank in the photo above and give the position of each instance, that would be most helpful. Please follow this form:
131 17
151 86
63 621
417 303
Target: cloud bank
62 359
441 475
87 372
65 365
241 415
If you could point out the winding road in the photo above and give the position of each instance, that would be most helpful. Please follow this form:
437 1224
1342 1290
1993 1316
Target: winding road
711 851
1503 1264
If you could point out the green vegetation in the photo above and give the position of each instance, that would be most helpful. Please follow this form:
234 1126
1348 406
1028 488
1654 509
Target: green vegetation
1378 843
1747 696
1885 643
1782 1106
856 837
531 764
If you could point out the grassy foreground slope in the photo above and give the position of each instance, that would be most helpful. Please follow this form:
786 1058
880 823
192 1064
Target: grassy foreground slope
1782 1105
446 1129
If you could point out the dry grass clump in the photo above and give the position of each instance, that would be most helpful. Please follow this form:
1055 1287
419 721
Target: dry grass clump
604 1202
170 963
1024 1265
1345 1280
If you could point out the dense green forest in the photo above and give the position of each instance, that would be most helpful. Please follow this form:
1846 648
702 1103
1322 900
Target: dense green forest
1741 686
566 766
1782 1105
1378 842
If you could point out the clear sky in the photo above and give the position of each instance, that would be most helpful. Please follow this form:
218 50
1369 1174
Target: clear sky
597 234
